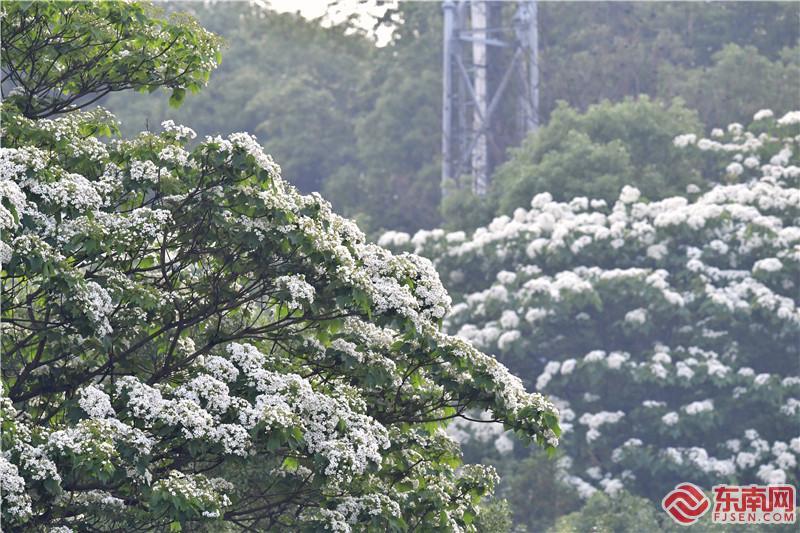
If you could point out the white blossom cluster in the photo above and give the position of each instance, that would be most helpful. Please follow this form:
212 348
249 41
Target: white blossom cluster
351 512
210 493
299 290
16 500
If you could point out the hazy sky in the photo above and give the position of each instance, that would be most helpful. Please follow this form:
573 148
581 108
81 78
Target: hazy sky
317 8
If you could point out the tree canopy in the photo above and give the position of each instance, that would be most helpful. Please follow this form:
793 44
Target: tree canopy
594 154
189 342
60 55
666 331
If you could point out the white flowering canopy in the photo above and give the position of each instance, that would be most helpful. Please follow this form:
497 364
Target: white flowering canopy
667 332
188 339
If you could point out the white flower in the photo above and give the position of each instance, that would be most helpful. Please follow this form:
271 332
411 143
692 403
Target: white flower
761 379
98 306
637 316
785 460
594 421
594 472
504 444
16 500
505 277
456 236
683 370
657 251
616 359
507 339
95 402
685 140
792 117
674 455
593 356
771 475
611 486
699 407
144 171
735 128
584 489
394 238
761 114
300 291
734 169
670 418
746 371
733 445
794 444
751 162
181 132
770 264
629 195
509 319
704 144
746 460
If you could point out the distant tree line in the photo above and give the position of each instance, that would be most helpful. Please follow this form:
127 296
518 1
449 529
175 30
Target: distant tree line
361 123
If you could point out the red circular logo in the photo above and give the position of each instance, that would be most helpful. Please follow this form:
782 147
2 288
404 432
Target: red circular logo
686 504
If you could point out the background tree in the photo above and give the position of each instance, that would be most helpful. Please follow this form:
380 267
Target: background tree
609 50
667 331
395 183
593 154
289 80
738 83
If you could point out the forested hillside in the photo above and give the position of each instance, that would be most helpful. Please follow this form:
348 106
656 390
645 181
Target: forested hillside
362 124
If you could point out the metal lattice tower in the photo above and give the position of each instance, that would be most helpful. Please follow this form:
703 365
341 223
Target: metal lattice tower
486 63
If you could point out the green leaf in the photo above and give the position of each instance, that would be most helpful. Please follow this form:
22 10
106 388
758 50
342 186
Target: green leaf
468 517
404 486
177 97
290 463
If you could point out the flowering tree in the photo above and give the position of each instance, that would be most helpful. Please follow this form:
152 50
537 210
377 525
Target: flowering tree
189 341
668 332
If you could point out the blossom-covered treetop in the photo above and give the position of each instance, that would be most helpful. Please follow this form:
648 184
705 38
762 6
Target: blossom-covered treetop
667 332
188 341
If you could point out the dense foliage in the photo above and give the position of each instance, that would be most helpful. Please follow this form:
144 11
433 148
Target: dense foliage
590 154
606 50
61 55
667 332
738 83
188 342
